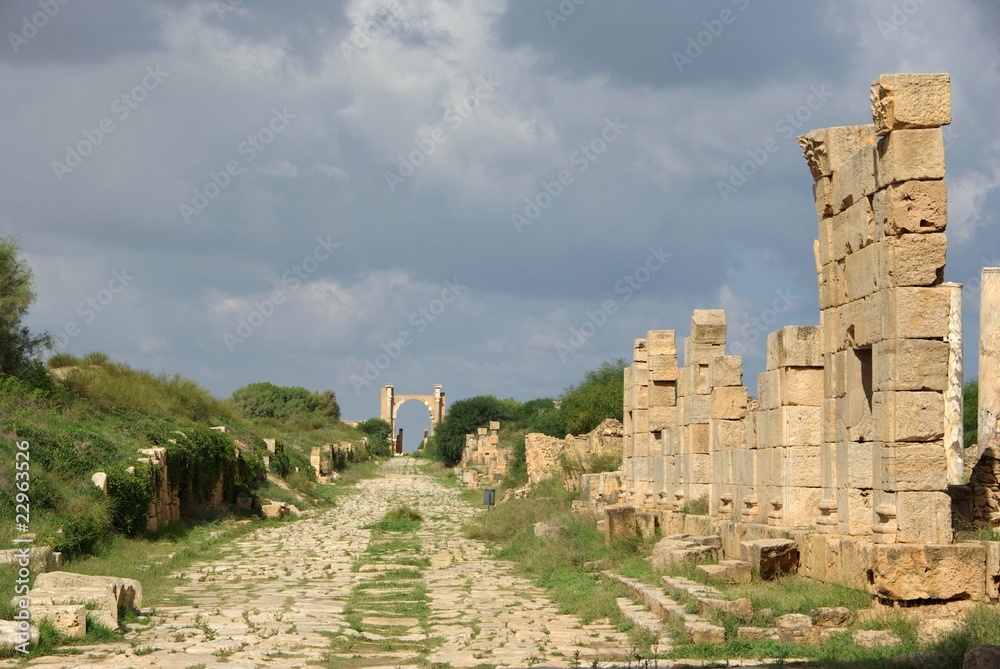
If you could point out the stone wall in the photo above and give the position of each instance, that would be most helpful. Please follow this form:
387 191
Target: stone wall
483 460
567 459
850 447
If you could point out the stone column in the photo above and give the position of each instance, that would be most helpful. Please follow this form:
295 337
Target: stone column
954 434
989 356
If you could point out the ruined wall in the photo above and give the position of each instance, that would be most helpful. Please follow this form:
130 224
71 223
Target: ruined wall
483 460
850 446
569 458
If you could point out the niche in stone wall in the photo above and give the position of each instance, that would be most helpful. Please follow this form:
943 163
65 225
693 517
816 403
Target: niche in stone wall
856 413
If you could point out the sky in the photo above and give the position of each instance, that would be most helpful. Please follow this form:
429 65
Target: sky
491 195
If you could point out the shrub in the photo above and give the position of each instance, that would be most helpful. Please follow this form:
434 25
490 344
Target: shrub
970 412
266 400
598 397
464 417
131 495
379 434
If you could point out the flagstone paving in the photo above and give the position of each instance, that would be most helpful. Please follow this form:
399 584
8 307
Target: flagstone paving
325 591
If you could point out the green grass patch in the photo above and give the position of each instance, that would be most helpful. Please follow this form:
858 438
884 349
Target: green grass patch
400 519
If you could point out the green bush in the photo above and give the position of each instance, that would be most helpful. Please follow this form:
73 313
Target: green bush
196 463
131 495
598 397
464 417
379 434
970 412
266 400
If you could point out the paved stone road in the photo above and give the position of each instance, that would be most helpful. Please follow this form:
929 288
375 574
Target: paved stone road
324 591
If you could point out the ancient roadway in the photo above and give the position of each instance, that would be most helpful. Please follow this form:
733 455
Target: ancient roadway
323 591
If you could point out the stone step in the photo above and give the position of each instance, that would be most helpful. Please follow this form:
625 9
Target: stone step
641 617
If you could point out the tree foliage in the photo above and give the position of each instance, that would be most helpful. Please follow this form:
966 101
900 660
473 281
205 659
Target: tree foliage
463 417
970 412
598 397
379 433
266 400
17 344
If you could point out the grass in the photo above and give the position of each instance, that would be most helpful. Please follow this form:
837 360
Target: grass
400 519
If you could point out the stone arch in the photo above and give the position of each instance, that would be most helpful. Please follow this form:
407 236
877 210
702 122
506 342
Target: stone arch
391 402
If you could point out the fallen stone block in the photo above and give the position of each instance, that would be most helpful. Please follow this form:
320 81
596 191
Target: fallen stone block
727 571
702 632
69 620
876 638
832 616
11 635
981 657
738 608
904 572
795 628
274 510
549 529
694 555
771 557
758 633
127 591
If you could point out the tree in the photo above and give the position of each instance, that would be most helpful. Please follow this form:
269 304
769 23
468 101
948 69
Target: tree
17 344
266 400
463 418
599 396
379 432
970 411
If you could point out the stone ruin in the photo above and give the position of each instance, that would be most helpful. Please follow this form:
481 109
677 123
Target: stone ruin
483 460
849 456
327 459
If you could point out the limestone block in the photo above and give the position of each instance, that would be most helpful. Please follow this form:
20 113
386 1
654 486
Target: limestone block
127 591
698 631
729 435
854 181
911 207
912 260
856 464
12 636
904 466
725 370
697 353
742 608
276 510
833 285
758 633
661 342
861 273
799 505
795 628
662 367
549 530
100 479
826 149
696 409
729 402
992 569
708 326
801 386
694 380
794 346
907 101
910 154
774 428
727 571
640 397
910 364
769 389
907 573
823 196
799 426
916 313
70 620
620 522
980 656
854 511
662 394
662 418
853 229
924 517
908 416
803 467
697 438
639 352
700 468
771 557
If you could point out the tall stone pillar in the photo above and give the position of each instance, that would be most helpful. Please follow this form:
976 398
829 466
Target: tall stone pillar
954 433
989 357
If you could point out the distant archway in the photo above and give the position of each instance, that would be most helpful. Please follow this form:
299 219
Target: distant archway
391 402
